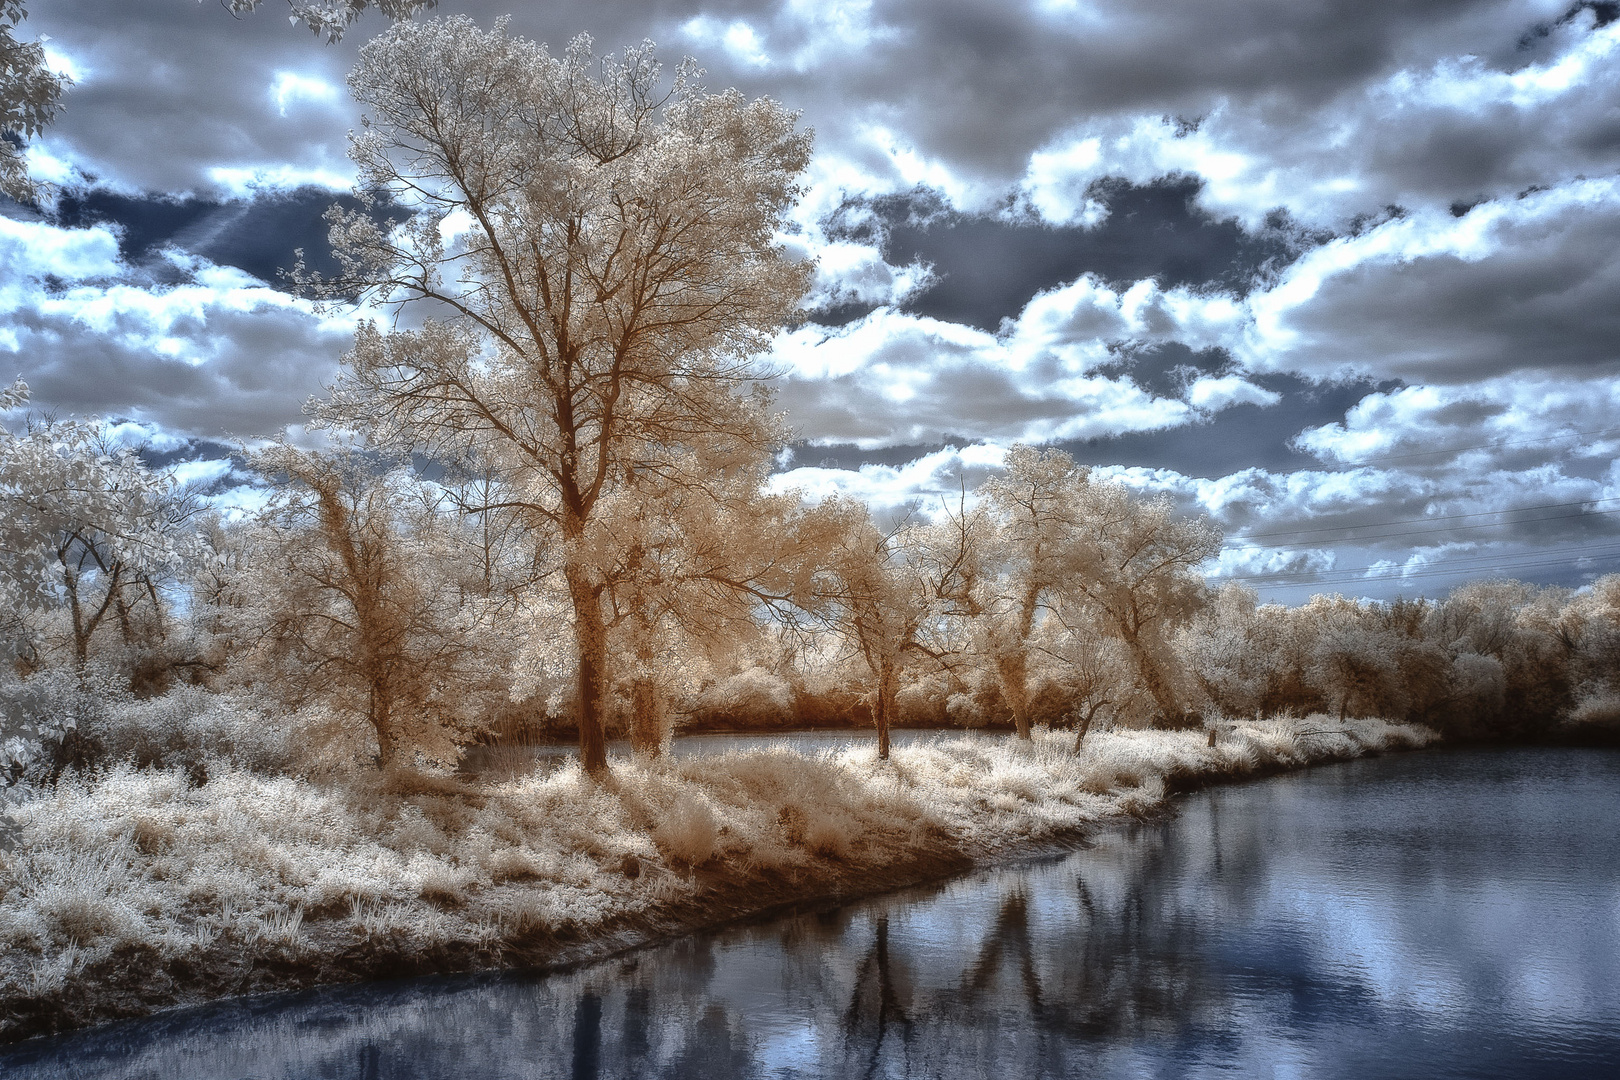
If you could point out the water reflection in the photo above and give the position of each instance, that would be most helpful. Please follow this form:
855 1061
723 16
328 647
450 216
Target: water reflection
1433 915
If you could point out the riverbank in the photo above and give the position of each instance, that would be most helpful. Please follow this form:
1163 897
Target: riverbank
136 891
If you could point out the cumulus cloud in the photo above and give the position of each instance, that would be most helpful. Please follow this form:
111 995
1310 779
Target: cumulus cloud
894 378
1459 129
1499 424
1212 394
1420 198
928 484
1531 283
218 354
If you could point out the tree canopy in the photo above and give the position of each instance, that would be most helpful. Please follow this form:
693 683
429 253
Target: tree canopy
593 261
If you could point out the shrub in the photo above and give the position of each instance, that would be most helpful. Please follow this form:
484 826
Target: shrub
687 833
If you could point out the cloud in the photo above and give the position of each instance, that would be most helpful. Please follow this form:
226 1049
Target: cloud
291 88
1164 236
217 354
1499 425
1521 284
740 40
1212 394
931 481
981 85
954 93
1458 128
892 378
182 98
986 267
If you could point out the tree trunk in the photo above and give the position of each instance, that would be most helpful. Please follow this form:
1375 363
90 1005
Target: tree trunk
1153 679
81 637
883 695
590 635
1083 725
646 718
382 721
1013 670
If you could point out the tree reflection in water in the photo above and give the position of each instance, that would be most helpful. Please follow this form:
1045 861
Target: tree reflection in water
875 1004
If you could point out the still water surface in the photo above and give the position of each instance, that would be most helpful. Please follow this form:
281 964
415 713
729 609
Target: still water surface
483 759
1443 914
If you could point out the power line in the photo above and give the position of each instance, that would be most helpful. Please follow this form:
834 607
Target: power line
1397 573
1399 576
1484 573
1573 549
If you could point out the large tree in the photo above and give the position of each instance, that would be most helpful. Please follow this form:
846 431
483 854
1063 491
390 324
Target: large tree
1134 563
594 264
891 593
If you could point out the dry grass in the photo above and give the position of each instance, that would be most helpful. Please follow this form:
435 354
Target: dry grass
256 863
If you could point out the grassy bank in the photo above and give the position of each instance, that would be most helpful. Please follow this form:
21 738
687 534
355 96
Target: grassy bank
134 890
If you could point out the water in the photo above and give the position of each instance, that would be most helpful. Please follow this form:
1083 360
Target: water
482 759
1446 914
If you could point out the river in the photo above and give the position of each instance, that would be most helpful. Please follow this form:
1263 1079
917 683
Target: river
1450 913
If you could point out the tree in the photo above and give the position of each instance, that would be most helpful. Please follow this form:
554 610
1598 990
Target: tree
30 95
595 263
1088 671
880 603
1028 555
1222 649
1352 660
356 605
332 19
1134 563
84 524
693 559
890 593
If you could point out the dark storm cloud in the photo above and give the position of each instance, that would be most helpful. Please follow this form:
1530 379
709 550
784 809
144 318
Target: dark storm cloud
258 235
165 98
987 84
987 267
186 450
1457 129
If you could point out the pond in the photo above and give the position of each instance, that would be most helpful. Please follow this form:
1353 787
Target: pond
1441 914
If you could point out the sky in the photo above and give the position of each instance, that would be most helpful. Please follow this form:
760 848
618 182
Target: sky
1343 275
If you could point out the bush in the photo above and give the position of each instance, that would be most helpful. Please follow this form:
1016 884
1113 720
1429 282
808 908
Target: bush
1597 712
182 730
687 834
753 699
